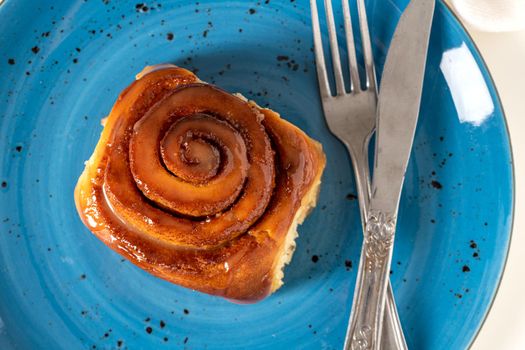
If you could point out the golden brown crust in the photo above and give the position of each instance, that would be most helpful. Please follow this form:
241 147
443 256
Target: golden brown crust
197 186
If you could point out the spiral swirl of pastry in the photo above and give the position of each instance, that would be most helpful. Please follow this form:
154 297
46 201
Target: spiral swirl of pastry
197 186
203 160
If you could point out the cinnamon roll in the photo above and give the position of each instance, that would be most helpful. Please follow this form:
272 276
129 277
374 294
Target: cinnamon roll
198 186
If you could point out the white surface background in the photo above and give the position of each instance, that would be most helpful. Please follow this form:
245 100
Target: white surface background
504 54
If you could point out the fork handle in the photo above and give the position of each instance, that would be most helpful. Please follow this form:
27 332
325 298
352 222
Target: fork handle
392 337
372 280
392 334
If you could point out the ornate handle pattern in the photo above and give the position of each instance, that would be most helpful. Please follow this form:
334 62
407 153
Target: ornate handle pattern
392 335
372 280
380 229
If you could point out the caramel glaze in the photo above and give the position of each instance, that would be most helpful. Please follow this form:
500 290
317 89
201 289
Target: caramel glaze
197 186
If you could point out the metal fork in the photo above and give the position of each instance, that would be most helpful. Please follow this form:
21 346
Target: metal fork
351 117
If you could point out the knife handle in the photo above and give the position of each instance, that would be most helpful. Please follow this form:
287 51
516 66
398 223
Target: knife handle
364 331
392 335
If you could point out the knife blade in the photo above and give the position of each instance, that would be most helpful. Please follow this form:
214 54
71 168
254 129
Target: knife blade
399 101
397 114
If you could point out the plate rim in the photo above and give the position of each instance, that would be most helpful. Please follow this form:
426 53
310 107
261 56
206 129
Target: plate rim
494 88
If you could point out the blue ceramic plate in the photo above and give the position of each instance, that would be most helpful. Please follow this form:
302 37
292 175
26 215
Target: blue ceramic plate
62 65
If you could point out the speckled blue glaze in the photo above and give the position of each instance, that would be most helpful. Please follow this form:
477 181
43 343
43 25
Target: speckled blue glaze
62 65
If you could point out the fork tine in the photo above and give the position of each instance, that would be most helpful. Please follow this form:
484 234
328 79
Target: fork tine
322 77
355 84
334 47
367 46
